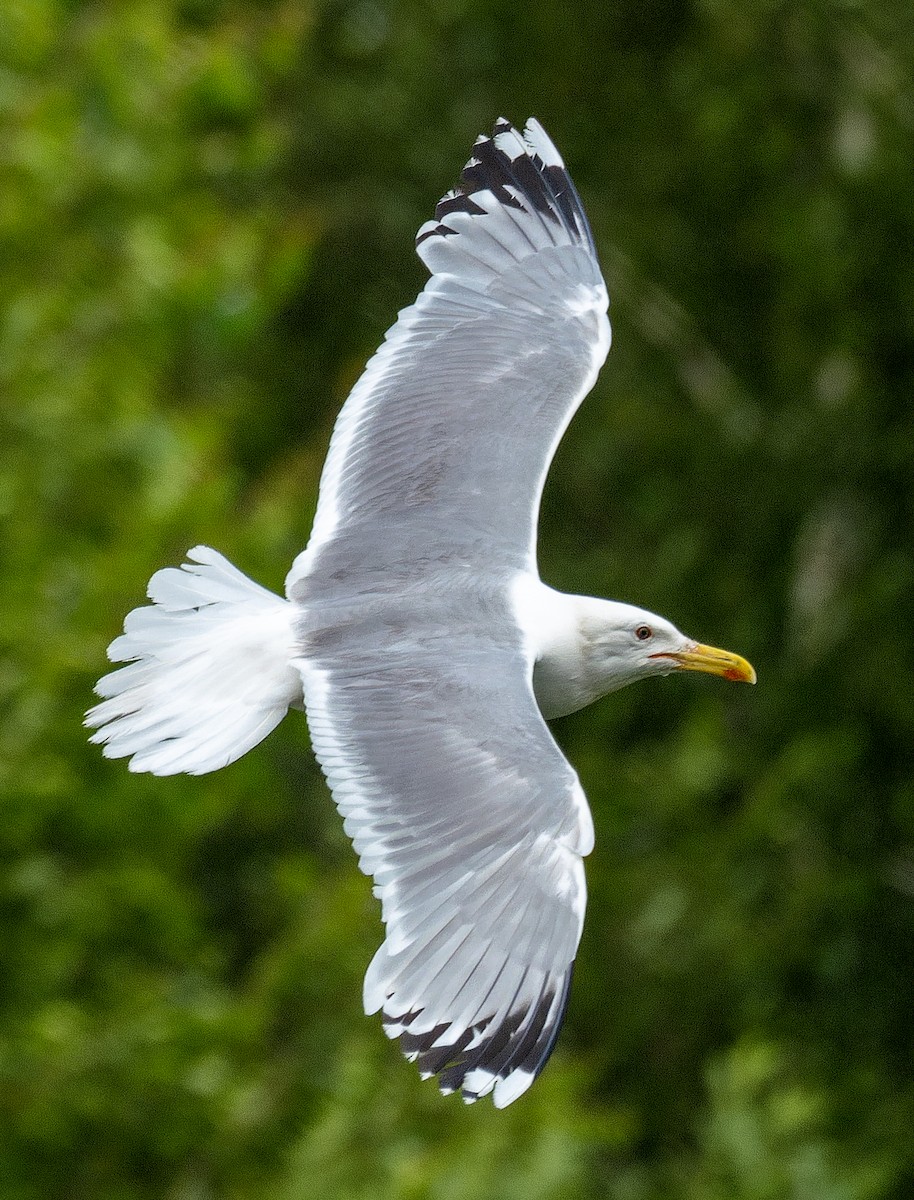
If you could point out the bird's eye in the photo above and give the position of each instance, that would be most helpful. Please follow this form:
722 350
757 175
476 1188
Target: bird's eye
643 632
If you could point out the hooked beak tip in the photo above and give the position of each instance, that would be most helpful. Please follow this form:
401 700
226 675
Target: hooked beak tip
712 661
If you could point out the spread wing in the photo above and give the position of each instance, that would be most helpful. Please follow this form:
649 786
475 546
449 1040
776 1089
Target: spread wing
472 823
447 437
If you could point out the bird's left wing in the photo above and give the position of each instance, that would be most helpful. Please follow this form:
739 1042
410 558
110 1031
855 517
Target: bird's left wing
445 441
472 823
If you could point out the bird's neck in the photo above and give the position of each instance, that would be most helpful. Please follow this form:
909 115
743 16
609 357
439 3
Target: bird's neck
565 674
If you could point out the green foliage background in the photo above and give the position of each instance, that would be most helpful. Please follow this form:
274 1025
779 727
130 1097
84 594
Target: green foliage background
206 221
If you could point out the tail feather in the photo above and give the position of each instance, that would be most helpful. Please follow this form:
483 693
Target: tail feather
209 671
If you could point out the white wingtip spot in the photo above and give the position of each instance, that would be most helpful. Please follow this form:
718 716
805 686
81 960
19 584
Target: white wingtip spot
510 142
509 1089
478 1082
542 144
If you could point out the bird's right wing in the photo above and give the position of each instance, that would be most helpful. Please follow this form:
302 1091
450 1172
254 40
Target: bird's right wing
472 823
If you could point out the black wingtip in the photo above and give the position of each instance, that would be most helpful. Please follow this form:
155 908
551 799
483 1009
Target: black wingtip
523 171
484 1057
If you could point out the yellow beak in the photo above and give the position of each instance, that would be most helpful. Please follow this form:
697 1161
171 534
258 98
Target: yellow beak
714 662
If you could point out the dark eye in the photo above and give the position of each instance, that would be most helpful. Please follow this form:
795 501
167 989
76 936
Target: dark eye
643 632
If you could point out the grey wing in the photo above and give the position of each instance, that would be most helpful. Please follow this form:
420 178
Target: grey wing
446 439
473 824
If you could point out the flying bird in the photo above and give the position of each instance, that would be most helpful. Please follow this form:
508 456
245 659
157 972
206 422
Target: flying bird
419 638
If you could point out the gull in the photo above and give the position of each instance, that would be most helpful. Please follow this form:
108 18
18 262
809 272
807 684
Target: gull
419 638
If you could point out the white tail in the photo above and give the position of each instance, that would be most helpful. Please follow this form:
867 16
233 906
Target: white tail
210 671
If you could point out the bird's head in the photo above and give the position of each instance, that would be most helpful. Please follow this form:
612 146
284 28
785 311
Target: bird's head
625 643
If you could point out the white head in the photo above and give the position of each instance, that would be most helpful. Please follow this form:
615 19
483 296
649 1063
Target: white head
621 643
600 646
